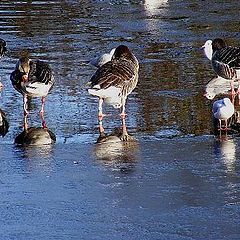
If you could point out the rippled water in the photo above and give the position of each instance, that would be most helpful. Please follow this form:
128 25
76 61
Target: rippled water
176 182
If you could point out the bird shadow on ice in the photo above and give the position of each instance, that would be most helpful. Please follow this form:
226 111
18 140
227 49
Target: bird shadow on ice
117 154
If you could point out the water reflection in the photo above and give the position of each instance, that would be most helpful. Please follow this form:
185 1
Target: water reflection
225 149
36 136
153 7
117 154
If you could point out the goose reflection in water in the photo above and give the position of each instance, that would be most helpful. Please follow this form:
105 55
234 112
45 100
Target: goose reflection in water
225 149
35 136
117 154
152 7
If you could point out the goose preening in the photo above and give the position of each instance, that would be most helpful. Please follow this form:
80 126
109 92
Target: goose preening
4 125
225 60
32 78
3 47
113 82
223 109
102 59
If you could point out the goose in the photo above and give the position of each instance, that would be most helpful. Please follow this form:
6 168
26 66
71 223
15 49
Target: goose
102 59
32 78
3 47
113 82
222 110
225 60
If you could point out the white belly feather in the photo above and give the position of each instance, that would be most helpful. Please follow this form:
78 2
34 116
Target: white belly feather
111 95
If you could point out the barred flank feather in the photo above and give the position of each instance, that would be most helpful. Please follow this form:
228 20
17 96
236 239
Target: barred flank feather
226 61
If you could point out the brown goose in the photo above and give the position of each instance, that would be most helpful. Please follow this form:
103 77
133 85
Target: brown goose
32 78
113 82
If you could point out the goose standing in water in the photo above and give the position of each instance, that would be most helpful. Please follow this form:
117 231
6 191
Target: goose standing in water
33 78
113 82
225 61
222 110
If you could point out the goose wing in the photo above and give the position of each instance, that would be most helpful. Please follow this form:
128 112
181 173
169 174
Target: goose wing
114 73
229 56
40 72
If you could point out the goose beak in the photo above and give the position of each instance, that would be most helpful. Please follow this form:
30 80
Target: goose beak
25 77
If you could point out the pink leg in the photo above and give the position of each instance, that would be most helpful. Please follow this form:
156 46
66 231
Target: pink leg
44 125
124 136
26 113
100 117
25 106
43 104
25 125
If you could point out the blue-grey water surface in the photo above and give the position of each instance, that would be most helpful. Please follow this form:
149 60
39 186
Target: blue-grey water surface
177 181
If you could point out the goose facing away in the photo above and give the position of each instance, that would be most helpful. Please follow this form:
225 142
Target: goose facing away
3 47
113 82
102 59
223 109
225 60
33 78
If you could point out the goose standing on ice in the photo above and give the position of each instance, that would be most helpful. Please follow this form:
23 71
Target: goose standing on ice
222 110
33 78
225 60
113 82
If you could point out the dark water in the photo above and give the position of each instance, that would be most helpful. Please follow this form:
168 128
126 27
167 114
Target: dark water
177 181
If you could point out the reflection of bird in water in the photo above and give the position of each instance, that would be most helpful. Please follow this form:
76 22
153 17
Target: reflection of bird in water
227 150
217 86
3 47
113 82
3 124
225 60
36 136
153 6
102 59
115 153
33 79
222 110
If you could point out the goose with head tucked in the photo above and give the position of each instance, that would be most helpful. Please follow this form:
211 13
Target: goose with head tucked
32 78
222 110
113 82
225 60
